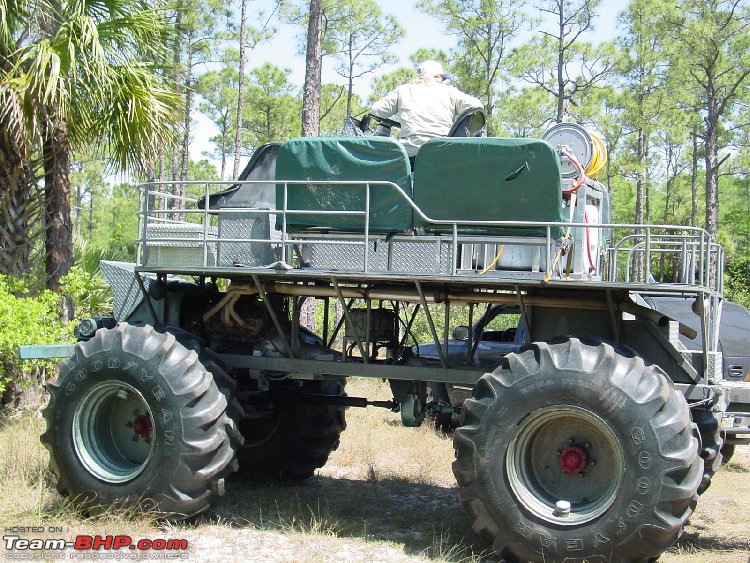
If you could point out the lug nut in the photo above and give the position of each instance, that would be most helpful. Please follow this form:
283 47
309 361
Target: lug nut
580 475
570 440
559 452
592 462
122 394
587 445
134 438
129 424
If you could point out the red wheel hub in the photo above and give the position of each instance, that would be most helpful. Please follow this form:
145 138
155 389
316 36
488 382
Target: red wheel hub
573 460
142 426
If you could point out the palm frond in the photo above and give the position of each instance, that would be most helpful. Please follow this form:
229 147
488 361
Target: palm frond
12 18
139 117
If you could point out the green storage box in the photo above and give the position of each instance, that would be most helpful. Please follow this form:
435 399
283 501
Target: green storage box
488 179
344 158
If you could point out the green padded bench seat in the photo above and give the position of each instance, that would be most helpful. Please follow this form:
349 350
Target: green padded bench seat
344 158
488 179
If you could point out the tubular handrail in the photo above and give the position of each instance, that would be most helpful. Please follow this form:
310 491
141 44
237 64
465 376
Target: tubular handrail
700 258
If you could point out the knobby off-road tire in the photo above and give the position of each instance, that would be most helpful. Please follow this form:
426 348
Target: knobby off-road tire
296 439
583 423
727 453
135 419
711 449
225 382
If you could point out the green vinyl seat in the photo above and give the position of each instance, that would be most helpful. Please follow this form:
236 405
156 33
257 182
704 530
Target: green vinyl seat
488 179
358 159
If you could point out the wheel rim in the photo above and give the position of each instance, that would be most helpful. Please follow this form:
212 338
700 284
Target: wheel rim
112 432
565 454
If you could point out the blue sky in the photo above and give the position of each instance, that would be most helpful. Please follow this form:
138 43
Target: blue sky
421 32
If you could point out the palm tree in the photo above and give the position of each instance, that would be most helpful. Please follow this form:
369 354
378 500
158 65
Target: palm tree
77 74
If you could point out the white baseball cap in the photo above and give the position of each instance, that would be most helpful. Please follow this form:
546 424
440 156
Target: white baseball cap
431 68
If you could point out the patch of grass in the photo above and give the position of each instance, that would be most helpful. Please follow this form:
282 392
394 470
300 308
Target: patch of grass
736 467
27 487
387 494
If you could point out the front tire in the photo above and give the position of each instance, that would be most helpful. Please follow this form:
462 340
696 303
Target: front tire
135 418
575 450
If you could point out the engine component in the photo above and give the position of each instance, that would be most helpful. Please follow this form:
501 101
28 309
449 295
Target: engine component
383 325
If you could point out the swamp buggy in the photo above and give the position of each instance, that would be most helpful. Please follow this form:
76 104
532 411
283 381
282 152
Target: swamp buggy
592 424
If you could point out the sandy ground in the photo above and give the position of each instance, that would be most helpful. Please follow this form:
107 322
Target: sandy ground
718 532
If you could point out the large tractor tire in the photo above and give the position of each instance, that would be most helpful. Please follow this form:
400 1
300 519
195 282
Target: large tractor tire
135 419
577 451
711 449
290 440
727 453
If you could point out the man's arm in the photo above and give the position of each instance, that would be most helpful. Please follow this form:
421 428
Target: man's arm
387 106
464 102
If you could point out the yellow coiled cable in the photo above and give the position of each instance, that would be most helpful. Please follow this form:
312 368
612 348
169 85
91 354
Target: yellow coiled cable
599 155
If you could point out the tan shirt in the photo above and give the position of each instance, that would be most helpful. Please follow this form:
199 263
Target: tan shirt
425 110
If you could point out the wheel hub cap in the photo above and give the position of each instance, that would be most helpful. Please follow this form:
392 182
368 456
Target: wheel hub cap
142 426
573 460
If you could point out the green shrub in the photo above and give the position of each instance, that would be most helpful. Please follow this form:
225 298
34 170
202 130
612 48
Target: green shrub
88 291
26 320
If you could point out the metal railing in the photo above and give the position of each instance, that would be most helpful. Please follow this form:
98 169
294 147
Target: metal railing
628 254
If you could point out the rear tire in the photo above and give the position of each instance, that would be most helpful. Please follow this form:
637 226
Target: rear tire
291 440
711 450
584 424
727 452
135 419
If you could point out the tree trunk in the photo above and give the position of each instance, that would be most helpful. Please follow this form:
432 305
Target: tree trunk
16 204
640 203
185 148
177 79
712 176
311 111
694 180
58 242
560 64
240 92
313 62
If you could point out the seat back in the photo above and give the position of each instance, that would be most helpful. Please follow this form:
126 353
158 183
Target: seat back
488 179
470 123
358 159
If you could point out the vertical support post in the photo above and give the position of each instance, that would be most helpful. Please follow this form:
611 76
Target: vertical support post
446 326
454 257
431 324
368 320
470 339
612 316
348 316
294 337
147 298
367 230
283 223
144 226
647 259
524 315
272 314
206 225
326 304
